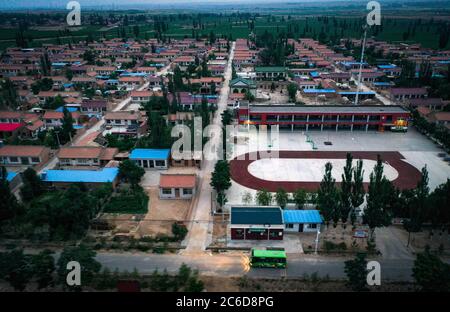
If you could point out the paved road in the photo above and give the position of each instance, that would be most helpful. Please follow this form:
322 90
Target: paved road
391 245
199 235
237 265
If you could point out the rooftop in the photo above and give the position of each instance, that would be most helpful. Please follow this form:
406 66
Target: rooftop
316 109
149 153
256 215
302 216
22 150
177 180
81 176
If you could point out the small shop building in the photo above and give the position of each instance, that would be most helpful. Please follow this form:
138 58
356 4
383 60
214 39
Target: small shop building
302 220
256 223
177 186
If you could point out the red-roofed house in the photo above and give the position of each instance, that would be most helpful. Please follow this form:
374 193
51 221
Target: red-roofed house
177 186
24 155
54 119
10 130
401 94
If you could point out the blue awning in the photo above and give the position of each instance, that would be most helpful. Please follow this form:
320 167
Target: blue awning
302 216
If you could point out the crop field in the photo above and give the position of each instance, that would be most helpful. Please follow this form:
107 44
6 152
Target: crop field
295 23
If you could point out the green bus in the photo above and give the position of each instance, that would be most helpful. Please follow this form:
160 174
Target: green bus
263 258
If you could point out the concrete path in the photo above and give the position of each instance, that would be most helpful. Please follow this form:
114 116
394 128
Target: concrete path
391 244
200 231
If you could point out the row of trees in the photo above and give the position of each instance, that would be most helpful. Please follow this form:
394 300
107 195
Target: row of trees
55 215
383 201
19 269
430 273
42 271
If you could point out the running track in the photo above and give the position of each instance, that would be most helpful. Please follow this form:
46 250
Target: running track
408 175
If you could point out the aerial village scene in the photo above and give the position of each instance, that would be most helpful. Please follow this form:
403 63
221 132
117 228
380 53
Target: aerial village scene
353 163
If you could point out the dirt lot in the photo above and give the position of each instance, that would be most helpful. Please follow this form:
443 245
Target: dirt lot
338 235
124 223
424 238
220 229
162 214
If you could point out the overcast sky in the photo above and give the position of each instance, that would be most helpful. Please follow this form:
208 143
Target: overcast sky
60 4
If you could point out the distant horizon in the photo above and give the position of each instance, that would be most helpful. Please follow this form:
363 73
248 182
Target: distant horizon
144 4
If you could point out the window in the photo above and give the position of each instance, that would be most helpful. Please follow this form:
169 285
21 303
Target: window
187 191
167 191
35 159
13 159
313 226
289 226
160 163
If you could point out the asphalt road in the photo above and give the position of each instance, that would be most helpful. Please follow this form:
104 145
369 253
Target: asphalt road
237 265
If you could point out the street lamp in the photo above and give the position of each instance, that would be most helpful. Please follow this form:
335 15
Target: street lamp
317 242
360 65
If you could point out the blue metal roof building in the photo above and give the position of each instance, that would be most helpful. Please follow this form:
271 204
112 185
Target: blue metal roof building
107 175
314 91
151 158
149 153
302 216
302 220
10 176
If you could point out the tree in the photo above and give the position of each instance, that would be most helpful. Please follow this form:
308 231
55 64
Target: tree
358 192
328 196
8 94
179 231
43 267
15 268
379 197
85 257
356 271
417 205
69 74
438 203
247 198
226 117
64 214
431 273
32 185
204 112
221 180
131 172
300 198
67 130
281 198
346 189
263 198
292 91
9 207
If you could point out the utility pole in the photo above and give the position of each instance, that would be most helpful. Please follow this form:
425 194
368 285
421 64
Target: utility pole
361 65
317 241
